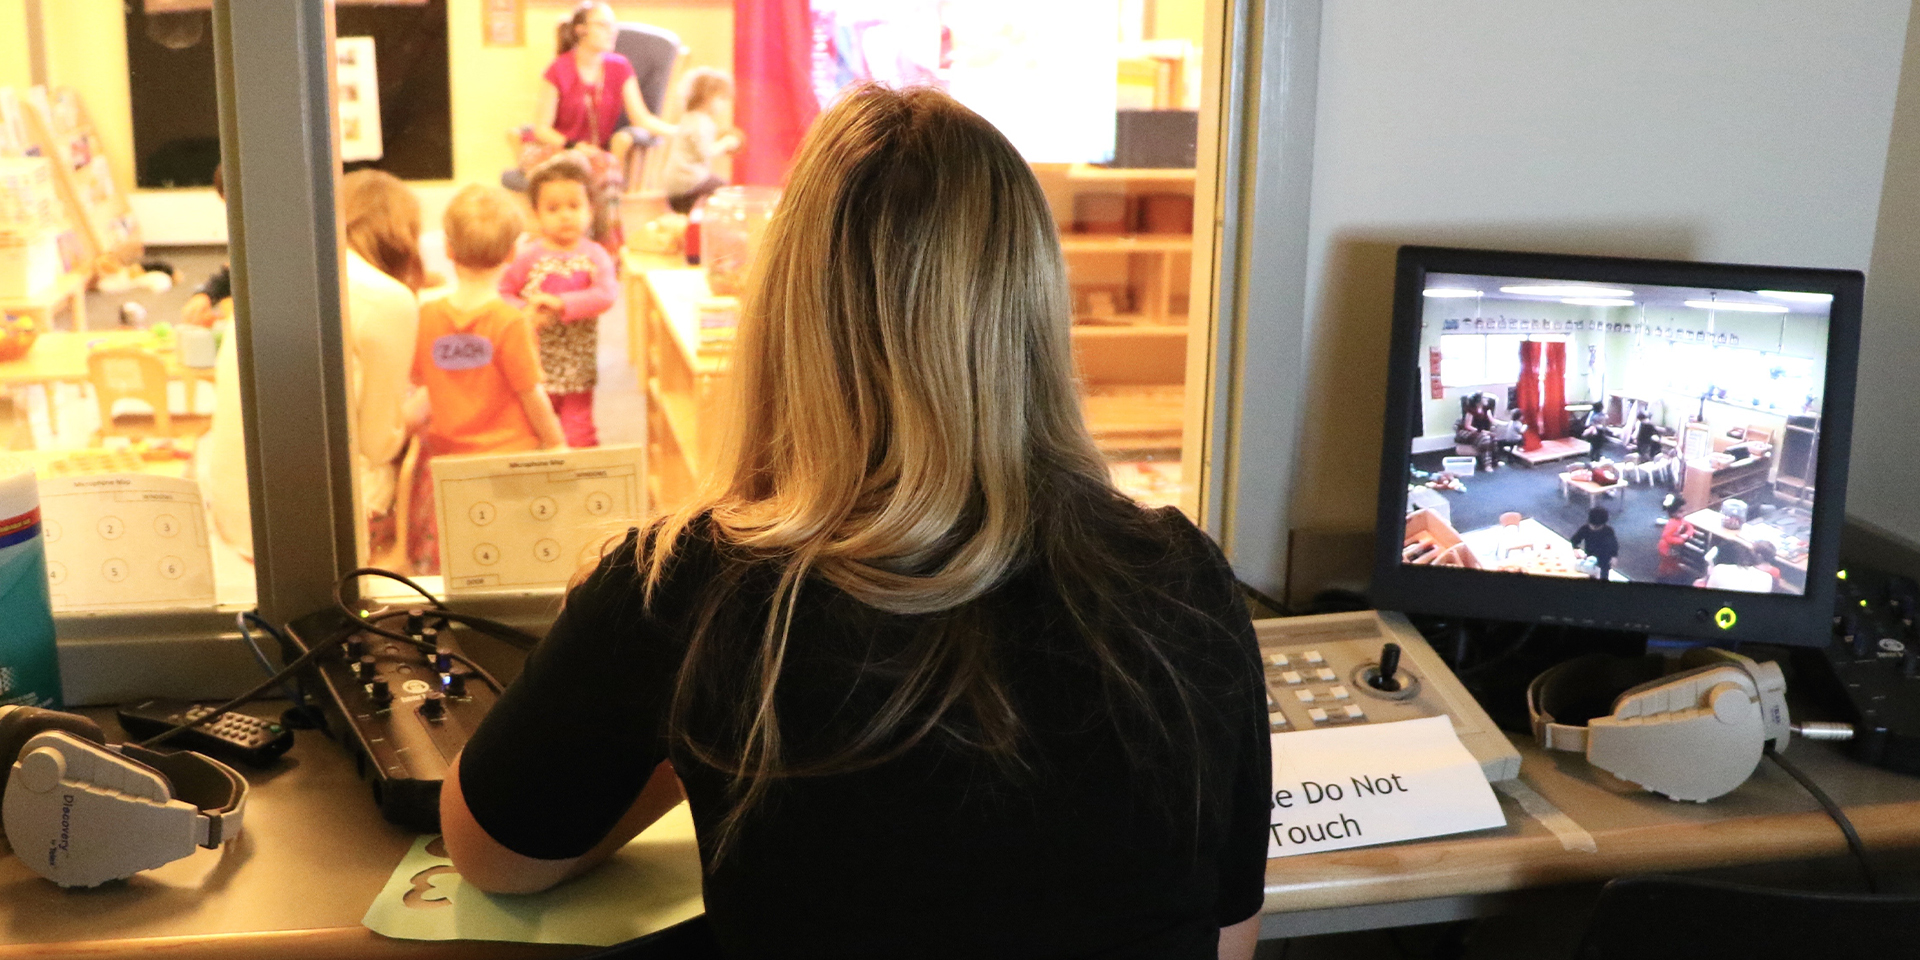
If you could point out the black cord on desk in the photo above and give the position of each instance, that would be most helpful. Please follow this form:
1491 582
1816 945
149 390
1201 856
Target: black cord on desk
1833 811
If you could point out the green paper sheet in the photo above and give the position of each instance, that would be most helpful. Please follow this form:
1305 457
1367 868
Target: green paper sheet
651 884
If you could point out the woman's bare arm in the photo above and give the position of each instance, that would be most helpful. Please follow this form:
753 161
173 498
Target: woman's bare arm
637 112
487 864
543 115
1237 941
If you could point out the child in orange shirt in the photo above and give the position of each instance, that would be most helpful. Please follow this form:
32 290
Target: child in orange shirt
477 358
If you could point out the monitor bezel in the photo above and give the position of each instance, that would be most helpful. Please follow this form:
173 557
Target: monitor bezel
1656 609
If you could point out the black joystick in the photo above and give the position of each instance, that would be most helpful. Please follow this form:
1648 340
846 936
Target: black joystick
434 706
1383 678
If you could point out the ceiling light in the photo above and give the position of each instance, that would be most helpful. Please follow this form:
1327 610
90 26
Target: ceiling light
1740 306
1565 290
1797 296
1597 302
1449 293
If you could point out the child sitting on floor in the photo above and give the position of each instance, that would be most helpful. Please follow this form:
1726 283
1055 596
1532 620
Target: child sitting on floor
565 282
706 133
476 356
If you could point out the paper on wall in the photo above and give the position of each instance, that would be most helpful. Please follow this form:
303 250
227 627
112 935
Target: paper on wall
1356 786
652 883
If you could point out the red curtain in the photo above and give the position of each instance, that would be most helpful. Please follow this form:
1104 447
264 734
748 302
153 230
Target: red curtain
1553 393
1529 391
773 85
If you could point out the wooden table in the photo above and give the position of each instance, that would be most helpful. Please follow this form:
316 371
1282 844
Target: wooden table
1715 525
60 356
316 852
70 289
1769 819
1594 491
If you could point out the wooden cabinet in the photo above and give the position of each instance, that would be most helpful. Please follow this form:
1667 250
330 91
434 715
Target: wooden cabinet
681 375
1127 238
1706 487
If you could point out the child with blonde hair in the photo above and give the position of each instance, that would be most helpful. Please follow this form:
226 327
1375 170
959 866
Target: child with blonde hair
564 281
705 134
476 357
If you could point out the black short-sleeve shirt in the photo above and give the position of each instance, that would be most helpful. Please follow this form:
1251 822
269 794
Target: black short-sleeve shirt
939 852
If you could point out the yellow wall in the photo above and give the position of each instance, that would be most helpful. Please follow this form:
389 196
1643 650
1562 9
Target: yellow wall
495 88
16 69
1176 19
87 50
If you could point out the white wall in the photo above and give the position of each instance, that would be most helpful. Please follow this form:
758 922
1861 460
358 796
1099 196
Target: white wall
1734 130
1884 488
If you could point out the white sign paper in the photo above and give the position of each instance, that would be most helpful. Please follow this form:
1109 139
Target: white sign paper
125 541
525 521
1357 786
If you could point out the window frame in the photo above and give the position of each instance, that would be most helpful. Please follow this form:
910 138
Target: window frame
274 72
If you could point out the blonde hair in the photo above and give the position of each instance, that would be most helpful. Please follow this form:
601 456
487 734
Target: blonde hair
703 84
903 426
382 223
482 224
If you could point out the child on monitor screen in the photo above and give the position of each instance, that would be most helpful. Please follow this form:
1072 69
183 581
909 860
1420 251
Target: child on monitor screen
1598 540
1674 537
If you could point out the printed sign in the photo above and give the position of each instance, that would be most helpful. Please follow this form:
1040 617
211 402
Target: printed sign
1344 787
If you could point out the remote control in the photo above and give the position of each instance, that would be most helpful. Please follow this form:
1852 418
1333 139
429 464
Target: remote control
235 736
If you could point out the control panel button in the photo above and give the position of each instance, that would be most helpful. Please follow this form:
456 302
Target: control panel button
1317 715
1338 692
1313 657
1304 696
1291 677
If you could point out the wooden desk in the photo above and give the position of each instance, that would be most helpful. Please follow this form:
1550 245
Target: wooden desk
1769 818
60 356
1715 525
70 289
316 852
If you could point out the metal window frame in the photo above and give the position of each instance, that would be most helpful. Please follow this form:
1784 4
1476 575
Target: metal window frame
274 74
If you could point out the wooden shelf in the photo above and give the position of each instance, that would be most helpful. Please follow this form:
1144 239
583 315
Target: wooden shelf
1090 173
1126 243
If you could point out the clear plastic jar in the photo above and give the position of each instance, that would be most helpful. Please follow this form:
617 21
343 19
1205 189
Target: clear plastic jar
730 230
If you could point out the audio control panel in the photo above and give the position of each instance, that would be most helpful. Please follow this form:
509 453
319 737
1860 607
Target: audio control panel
1872 667
404 709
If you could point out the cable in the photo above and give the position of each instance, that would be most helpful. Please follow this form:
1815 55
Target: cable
289 670
357 572
247 618
1833 811
371 625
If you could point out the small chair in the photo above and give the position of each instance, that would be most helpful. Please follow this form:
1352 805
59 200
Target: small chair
130 373
1682 918
1511 539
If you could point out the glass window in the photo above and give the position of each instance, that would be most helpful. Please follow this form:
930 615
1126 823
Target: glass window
117 354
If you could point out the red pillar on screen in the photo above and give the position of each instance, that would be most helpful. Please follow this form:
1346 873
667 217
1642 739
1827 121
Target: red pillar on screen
773 85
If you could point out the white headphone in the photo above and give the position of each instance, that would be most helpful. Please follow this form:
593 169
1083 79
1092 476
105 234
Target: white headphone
1690 735
81 812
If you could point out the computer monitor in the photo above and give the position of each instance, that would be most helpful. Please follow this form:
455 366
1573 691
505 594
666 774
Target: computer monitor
1642 445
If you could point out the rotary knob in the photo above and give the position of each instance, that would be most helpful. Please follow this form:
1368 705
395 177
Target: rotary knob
434 707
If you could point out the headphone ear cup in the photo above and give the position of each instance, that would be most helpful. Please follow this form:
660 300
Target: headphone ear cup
19 724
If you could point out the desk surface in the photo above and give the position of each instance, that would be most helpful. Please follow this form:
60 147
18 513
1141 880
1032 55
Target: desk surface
316 852
60 356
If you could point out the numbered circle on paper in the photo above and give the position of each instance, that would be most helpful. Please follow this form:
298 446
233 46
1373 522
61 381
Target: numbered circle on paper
166 525
51 529
482 513
546 551
599 503
172 568
486 554
112 527
56 572
115 570
543 508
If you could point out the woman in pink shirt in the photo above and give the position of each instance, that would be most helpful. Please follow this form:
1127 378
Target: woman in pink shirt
586 86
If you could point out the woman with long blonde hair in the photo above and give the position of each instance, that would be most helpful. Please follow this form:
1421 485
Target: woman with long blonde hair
933 687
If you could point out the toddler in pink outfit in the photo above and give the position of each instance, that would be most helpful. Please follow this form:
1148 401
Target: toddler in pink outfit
564 281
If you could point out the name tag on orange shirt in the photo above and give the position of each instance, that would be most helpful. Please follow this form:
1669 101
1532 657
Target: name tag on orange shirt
462 351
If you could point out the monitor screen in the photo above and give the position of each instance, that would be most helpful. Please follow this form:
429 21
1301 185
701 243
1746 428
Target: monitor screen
1649 445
